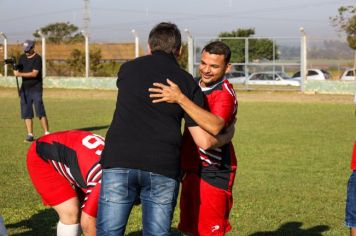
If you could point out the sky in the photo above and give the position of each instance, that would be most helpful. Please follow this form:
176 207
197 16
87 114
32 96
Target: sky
113 20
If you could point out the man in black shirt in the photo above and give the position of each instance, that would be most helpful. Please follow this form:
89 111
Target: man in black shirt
141 155
30 69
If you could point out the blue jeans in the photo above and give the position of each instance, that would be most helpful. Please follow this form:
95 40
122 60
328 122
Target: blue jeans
119 189
350 213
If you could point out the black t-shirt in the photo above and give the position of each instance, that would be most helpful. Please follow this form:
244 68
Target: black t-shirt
28 65
144 135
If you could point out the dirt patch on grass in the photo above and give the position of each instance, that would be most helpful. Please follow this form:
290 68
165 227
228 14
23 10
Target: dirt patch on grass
266 96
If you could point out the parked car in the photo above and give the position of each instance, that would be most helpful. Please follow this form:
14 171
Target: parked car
348 75
314 74
236 77
271 78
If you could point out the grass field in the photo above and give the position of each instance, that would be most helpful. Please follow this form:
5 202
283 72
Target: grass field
294 152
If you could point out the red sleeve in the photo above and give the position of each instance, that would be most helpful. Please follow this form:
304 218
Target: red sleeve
223 105
90 206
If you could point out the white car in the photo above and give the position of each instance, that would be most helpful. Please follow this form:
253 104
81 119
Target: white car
348 75
236 77
272 78
314 74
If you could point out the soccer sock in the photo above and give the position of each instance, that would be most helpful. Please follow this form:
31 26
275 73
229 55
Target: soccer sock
47 132
68 230
31 134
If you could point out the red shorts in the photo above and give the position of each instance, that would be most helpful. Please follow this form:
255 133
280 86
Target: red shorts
204 209
55 189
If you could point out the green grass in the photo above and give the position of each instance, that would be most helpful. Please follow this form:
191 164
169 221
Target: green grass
293 165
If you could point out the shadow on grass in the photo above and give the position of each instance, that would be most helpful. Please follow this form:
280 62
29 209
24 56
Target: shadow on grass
41 224
174 232
293 229
93 128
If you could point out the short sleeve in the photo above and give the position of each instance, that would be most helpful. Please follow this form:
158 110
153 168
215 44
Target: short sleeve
223 106
90 206
37 65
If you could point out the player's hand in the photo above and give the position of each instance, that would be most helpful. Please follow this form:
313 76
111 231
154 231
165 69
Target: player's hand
170 93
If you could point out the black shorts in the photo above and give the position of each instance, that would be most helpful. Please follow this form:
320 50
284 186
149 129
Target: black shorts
31 97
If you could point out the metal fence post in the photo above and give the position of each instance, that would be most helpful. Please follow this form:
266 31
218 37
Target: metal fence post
190 53
43 53
86 36
133 31
5 52
303 59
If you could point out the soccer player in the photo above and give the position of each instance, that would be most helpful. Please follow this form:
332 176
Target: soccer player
206 197
350 212
64 168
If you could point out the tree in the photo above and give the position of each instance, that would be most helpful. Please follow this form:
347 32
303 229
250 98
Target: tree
183 57
62 32
258 49
345 22
77 62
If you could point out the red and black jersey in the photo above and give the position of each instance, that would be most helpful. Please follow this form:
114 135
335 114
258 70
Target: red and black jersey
353 158
75 155
215 164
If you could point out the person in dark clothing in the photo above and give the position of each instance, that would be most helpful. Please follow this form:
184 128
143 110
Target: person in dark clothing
30 69
141 155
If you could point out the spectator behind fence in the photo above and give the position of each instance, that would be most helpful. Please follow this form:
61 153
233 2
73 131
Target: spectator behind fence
30 69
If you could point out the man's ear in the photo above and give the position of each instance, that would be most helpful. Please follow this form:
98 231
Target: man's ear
180 51
228 68
149 52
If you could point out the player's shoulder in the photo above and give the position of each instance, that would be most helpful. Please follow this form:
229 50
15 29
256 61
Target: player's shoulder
227 87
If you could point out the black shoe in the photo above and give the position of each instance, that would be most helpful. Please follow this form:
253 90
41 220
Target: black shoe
29 139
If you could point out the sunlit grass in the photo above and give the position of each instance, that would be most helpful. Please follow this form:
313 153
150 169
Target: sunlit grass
293 165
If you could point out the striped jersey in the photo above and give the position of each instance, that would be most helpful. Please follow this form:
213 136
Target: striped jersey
216 164
75 155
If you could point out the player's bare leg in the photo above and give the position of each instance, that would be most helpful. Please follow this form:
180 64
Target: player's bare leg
87 223
44 124
29 126
68 212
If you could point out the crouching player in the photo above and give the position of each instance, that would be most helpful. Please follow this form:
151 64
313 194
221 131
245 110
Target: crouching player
64 168
206 196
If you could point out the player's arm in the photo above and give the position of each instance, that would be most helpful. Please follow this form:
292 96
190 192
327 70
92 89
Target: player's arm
206 141
87 222
172 94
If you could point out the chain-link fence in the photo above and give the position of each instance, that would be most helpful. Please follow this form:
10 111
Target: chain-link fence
276 61
69 60
333 56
